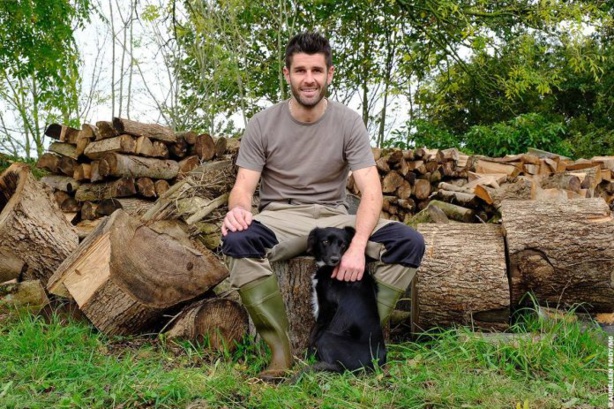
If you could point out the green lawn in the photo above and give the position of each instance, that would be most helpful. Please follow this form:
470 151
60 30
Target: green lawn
61 364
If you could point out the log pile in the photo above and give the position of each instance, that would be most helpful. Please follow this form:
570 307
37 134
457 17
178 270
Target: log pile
93 169
471 189
137 267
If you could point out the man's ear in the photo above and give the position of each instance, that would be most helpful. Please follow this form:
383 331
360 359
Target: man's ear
286 73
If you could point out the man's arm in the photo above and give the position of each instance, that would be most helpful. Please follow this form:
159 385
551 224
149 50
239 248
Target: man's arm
239 215
352 264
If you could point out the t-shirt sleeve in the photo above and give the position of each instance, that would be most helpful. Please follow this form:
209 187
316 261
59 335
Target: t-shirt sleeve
252 152
358 147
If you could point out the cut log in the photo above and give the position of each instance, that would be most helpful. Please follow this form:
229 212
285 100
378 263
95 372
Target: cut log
188 164
153 131
35 237
392 181
561 252
179 149
217 323
106 207
122 144
82 172
126 277
161 187
204 147
64 149
220 146
67 165
28 296
63 183
422 189
105 130
48 161
98 191
454 212
136 166
456 287
145 187
62 133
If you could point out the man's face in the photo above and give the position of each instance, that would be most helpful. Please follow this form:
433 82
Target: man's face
308 78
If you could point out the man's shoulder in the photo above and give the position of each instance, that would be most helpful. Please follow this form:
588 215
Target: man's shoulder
270 112
343 110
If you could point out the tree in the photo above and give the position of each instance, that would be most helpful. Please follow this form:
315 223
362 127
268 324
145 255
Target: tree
519 58
38 69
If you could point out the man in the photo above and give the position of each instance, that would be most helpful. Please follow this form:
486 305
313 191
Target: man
301 151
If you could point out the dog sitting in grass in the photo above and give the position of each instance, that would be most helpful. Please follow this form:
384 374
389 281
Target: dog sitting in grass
347 334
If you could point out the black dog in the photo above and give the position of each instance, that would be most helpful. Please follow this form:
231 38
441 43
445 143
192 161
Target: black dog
347 334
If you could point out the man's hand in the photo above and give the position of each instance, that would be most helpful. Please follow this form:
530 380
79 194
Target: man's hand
352 265
237 219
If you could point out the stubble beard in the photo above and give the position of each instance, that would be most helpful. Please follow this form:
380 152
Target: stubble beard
311 103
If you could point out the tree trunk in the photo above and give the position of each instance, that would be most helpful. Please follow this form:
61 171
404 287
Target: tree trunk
294 277
561 251
136 166
460 282
126 277
98 191
122 143
35 237
219 323
153 131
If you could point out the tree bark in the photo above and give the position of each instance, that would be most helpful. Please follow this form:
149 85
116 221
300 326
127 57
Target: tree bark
98 191
561 252
219 323
122 144
126 277
153 131
35 237
136 166
460 283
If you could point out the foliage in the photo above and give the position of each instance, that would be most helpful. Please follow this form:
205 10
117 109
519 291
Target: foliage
60 364
555 63
38 69
517 135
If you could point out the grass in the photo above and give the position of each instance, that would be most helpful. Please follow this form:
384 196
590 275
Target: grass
58 364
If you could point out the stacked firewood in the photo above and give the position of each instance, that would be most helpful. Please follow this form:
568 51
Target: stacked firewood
95 167
471 188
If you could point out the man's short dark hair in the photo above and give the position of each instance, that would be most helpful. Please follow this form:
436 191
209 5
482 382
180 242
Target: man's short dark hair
309 43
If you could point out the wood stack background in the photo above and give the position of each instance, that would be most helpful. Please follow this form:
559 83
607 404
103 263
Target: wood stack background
93 169
127 227
471 188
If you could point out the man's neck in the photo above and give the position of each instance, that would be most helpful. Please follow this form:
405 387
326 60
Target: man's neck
307 114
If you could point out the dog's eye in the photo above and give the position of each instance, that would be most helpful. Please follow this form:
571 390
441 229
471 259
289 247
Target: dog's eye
325 242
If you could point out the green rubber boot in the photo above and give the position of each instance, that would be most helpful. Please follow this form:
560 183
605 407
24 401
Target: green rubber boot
387 297
265 306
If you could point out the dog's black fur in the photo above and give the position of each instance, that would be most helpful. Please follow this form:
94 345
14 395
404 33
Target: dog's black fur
347 334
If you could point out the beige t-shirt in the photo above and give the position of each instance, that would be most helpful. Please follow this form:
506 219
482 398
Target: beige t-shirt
305 163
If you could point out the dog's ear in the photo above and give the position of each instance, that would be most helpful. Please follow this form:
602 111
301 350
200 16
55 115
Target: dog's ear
350 231
312 240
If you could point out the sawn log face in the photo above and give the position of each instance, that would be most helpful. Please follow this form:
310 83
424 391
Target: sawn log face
125 276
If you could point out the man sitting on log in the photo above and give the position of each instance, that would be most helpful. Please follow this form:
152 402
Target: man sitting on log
301 150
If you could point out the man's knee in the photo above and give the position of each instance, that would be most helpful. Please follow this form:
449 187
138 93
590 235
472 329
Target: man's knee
250 243
403 244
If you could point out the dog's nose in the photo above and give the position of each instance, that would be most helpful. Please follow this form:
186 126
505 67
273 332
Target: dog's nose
334 260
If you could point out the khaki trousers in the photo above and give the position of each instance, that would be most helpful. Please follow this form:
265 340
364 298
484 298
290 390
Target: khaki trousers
291 225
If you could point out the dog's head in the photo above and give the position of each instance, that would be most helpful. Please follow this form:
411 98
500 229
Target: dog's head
328 244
